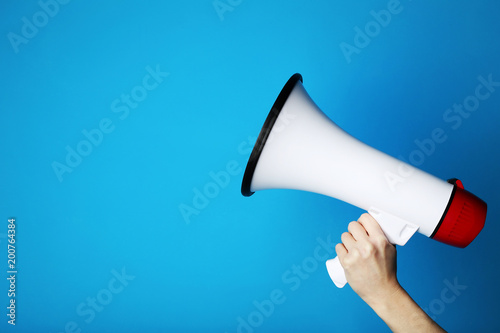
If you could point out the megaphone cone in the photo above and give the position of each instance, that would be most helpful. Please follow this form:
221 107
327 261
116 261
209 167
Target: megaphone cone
300 148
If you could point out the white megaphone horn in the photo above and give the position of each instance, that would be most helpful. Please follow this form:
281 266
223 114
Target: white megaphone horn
300 148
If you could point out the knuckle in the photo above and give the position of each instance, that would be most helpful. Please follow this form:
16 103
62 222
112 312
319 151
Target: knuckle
368 250
381 242
354 254
351 259
346 263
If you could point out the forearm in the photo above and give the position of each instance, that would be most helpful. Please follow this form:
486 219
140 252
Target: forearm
402 314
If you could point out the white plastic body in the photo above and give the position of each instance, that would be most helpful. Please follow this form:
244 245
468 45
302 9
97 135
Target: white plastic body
307 151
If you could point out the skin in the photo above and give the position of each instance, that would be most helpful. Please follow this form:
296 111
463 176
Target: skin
369 261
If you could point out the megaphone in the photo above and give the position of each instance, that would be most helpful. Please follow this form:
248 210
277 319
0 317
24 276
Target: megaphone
300 148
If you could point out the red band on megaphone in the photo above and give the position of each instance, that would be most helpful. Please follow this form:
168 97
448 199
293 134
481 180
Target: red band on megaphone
463 219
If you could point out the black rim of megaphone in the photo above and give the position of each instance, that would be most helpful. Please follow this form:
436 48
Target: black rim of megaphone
265 131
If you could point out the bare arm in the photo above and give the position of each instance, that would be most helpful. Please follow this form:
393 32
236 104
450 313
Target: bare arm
369 261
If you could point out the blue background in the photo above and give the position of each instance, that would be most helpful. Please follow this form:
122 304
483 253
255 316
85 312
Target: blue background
120 207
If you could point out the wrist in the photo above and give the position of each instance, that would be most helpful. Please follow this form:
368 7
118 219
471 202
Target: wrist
385 299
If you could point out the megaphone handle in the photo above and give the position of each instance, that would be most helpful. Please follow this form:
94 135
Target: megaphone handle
336 272
397 231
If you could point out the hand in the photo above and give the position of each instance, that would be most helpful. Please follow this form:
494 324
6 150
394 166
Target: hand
369 260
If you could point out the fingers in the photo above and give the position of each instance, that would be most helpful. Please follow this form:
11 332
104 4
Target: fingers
366 229
341 250
355 233
357 230
371 225
348 240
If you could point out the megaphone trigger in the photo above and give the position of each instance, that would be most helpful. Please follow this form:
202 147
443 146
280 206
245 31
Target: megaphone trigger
397 230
